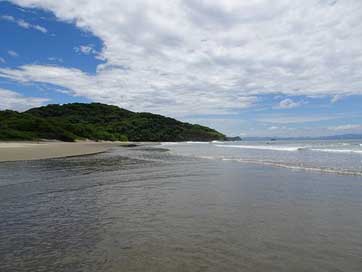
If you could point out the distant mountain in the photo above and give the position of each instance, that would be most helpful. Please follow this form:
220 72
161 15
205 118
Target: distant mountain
97 121
343 137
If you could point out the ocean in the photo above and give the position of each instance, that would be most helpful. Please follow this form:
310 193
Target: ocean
221 206
339 157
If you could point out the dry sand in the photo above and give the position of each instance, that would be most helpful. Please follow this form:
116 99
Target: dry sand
15 151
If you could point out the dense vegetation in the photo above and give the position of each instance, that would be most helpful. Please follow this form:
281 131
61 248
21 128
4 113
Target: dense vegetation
96 121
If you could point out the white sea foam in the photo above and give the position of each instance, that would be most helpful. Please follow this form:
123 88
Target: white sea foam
293 148
195 142
336 150
286 165
345 144
169 143
266 147
305 168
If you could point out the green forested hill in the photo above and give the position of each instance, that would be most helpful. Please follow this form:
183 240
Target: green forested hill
97 121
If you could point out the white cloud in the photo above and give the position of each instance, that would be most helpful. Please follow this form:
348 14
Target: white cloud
288 104
40 28
55 59
211 56
346 127
336 98
13 53
23 24
229 126
89 50
15 101
2 60
85 49
113 86
288 119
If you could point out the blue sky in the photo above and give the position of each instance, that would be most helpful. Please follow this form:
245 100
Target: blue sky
255 68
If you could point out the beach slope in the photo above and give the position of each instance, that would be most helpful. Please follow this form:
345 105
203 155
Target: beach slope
15 151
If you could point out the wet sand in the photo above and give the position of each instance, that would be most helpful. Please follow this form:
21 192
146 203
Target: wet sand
16 151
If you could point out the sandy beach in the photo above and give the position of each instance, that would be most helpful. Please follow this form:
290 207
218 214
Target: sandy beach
15 151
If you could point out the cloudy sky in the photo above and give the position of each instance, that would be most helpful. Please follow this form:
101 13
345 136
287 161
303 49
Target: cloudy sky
244 67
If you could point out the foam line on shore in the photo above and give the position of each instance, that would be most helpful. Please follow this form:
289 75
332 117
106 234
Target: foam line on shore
289 166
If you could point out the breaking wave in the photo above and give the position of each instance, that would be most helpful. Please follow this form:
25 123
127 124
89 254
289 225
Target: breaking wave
289 166
336 150
292 148
265 147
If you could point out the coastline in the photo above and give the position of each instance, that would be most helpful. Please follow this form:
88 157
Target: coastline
146 192
19 151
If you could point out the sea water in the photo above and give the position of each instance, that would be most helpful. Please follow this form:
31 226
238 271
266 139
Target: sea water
167 208
340 157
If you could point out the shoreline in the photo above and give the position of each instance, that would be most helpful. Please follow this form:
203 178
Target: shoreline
24 151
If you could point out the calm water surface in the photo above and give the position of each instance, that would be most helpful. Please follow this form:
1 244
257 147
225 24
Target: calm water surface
144 209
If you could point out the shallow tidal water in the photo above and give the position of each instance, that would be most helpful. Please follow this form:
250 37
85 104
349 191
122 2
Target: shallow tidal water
147 209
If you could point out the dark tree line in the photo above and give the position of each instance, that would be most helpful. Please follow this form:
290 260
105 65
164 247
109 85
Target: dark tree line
97 121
